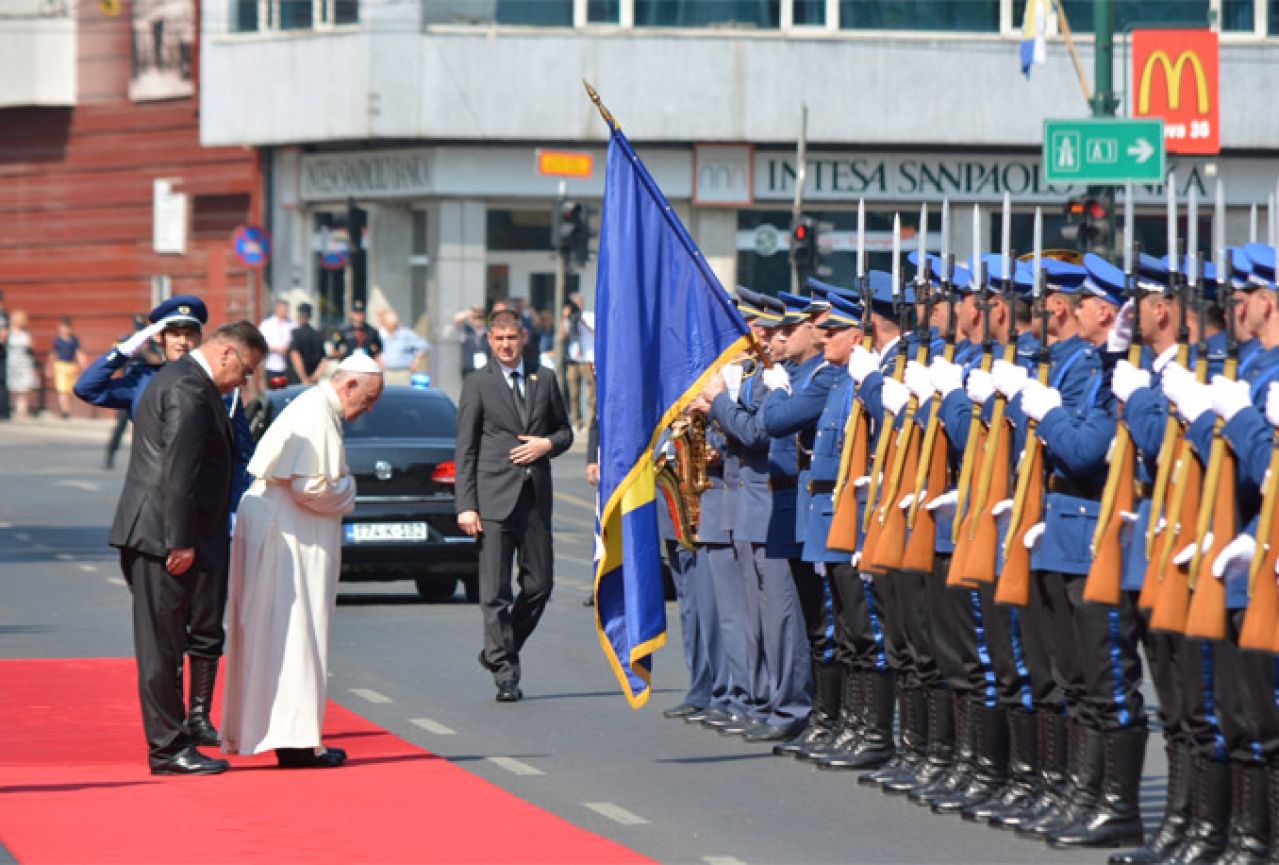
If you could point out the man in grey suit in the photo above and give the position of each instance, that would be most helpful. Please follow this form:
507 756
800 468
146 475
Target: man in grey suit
511 422
171 527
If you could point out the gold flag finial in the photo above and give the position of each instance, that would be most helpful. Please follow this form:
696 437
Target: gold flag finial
604 112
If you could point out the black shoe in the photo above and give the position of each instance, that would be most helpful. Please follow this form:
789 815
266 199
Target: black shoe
767 733
699 716
306 758
588 601
717 719
683 710
341 752
189 761
509 694
740 728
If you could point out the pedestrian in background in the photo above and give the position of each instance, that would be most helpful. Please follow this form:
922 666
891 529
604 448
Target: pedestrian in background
306 350
578 335
4 352
277 330
66 360
469 326
403 349
20 364
358 335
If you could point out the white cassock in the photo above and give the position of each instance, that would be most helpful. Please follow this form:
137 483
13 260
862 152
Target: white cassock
285 556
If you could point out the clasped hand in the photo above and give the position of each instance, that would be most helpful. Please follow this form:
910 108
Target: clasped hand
531 449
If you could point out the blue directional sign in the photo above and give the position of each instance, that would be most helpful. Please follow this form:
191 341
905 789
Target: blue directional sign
252 245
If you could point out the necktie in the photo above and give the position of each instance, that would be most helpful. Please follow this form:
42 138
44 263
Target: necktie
517 389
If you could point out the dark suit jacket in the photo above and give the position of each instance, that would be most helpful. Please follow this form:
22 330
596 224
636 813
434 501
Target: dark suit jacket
177 492
488 424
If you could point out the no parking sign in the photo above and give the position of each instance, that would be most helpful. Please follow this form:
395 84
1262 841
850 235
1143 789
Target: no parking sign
252 245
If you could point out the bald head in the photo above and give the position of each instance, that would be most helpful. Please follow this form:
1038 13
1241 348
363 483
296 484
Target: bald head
357 391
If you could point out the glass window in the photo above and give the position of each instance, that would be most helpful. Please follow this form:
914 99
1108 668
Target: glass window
603 11
346 11
244 16
809 13
406 415
763 239
295 14
707 13
1235 14
519 230
964 15
537 13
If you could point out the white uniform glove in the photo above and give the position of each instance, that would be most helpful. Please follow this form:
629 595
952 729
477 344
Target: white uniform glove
1236 554
1229 397
1127 379
1188 551
1272 404
731 373
945 505
1120 336
776 378
1193 399
1039 399
1001 507
1032 536
130 346
919 382
907 501
947 377
980 387
861 364
1009 377
894 396
1173 378
862 482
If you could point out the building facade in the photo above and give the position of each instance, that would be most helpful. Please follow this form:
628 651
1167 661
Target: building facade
420 123
111 202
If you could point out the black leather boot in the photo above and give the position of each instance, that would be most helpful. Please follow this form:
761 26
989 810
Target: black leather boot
1115 818
1272 799
940 752
834 674
204 675
848 732
961 766
1085 761
914 744
1023 771
990 749
821 720
1205 839
1249 838
876 745
1051 758
1172 829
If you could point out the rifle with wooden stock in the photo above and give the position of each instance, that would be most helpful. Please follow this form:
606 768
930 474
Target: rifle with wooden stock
1260 628
1104 582
854 455
1028 496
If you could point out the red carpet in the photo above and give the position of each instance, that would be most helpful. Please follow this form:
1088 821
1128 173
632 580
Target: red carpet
74 787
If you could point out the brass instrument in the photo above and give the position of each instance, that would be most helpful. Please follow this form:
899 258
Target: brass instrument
682 478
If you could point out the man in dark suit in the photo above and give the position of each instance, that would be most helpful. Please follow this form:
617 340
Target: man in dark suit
171 527
510 423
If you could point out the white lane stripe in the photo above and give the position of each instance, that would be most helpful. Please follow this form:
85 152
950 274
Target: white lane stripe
22 536
433 727
65 557
722 860
119 581
371 696
89 569
515 767
616 813
87 486
574 584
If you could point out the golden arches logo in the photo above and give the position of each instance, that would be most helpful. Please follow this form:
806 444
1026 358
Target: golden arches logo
1172 77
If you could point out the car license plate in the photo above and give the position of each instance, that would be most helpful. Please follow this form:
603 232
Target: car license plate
365 532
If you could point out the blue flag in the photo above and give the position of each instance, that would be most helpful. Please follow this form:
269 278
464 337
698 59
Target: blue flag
664 326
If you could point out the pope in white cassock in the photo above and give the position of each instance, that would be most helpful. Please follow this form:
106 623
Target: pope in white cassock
285 557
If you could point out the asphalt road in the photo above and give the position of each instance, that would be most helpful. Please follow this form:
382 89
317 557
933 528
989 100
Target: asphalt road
573 746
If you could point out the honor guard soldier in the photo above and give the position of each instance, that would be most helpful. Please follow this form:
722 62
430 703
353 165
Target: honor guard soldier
797 395
764 533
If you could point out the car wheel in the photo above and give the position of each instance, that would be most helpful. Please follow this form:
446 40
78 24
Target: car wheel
436 590
471 586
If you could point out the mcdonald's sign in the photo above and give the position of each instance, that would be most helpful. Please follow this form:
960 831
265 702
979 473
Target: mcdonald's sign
1175 77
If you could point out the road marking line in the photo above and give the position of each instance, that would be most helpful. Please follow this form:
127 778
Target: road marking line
89 569
87 486
572 521
722 860
371 696
574 500
119 581
433 727
65 557
616 813
574 584
574 538
22 536
574 560
515 767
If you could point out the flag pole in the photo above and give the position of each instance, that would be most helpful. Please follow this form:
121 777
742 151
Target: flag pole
1074 51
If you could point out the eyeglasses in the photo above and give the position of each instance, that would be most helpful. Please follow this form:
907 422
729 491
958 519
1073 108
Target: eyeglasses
248 371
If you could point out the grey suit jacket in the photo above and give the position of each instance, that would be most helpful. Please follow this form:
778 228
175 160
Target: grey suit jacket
488 427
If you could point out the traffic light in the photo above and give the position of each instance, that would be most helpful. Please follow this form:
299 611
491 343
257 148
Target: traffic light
1088 224
570 232
803 243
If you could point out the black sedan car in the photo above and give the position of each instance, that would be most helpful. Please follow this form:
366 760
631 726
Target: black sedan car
404 525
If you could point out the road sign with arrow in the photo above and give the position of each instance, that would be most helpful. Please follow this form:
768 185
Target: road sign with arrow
1103 151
